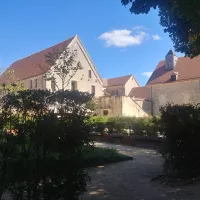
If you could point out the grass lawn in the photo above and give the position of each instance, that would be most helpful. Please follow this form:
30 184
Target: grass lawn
96 156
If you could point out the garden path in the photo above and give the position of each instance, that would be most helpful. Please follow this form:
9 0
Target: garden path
131 180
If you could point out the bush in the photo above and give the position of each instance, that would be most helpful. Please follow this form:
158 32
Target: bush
43 159
97 124
94 156
126 125
181 126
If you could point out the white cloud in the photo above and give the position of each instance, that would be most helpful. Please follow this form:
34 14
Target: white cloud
156 37
147 74
123 38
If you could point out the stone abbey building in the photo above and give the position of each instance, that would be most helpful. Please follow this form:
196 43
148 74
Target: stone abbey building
174 80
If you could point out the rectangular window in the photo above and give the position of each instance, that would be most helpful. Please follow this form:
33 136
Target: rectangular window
93 89
31 84
89 74
105 112
53 85
36 83
74 85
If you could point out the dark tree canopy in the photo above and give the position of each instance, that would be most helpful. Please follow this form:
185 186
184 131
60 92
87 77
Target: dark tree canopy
180 18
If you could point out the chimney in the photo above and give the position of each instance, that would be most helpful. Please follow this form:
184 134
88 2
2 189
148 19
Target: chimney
174 76
170 60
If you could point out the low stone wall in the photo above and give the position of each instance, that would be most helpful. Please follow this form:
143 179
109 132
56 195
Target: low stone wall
137 141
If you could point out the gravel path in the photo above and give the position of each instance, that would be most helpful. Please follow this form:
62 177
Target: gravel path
131 180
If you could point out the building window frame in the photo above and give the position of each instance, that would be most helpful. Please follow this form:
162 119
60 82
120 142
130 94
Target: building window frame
93 89
89 73
74 85
31 84
53 85
105 112
36 83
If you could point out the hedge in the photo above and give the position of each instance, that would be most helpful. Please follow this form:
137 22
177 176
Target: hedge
126 125
181 126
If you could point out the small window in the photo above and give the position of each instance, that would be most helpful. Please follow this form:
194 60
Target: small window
105 112
93 89
36 83
74 85
89 74
53 85
31 84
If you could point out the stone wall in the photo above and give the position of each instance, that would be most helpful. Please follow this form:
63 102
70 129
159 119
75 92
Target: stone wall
144 104
131 83
116 90
112 105
83 81
40 83
182 92
120 106
131 108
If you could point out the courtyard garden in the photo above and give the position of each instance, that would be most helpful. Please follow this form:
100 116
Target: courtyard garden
45 145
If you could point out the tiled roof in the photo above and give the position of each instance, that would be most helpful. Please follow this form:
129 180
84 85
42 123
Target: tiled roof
187 68
141 93
105 82
29 67
117 81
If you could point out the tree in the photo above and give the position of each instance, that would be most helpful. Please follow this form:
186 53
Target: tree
180 18
11 84
64 65
93 106
43 159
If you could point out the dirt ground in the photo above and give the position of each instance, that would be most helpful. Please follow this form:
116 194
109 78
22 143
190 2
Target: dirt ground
131 180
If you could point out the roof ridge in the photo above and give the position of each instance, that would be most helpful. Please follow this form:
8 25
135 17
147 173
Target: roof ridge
26 67
119 76
71 38
188 69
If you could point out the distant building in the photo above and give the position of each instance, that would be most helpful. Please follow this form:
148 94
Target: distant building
175 80
27 70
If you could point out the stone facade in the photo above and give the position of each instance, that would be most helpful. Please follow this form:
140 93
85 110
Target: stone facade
122 89
182 92
131 108
116 90
146 105
86 79
175 80
120 106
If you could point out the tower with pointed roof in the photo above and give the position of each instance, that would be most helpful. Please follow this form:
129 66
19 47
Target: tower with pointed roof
170 60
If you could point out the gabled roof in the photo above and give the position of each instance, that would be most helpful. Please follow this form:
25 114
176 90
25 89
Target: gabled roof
187 69
116 81
141 93
29 67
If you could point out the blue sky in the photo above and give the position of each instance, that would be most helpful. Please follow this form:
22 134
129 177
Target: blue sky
118 42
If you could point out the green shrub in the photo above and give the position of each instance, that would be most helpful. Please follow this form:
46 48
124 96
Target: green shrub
94 156
43 159
181 125
97 124
127 125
